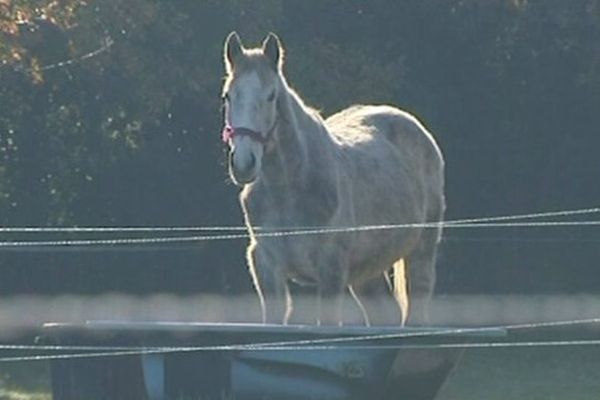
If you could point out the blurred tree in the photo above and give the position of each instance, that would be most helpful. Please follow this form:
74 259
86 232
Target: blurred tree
110 114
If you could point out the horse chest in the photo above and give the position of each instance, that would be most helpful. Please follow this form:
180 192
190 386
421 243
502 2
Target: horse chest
300 255
312 204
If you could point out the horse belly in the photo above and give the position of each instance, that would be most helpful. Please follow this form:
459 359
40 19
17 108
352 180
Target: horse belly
296 256
375 253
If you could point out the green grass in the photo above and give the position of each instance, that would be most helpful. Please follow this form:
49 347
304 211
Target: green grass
25 381
19 395
559 373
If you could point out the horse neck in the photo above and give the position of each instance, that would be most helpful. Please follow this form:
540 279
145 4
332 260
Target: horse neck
301 137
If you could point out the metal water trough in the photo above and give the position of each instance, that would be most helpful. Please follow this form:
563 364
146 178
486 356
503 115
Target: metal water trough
206 362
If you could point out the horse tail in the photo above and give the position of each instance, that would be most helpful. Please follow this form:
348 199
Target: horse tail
400 287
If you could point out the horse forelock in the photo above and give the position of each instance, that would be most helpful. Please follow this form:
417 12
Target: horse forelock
252 60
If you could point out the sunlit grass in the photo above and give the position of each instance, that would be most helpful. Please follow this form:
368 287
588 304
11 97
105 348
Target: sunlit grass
526 373
20 395
25 381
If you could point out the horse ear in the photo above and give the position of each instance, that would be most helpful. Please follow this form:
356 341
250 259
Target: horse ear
273 49
233 49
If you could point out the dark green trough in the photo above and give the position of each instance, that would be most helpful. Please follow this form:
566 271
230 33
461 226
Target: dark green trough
199 361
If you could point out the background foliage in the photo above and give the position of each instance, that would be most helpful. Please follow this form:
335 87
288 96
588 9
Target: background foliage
110 115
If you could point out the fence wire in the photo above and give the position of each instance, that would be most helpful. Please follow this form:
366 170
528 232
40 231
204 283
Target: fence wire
331 343
214 232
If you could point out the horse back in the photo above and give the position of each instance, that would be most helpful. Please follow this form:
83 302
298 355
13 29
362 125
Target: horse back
364 126
394 174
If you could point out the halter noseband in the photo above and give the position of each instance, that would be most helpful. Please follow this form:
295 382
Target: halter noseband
229 132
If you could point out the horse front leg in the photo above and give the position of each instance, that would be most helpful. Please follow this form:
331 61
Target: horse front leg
277 301
271 286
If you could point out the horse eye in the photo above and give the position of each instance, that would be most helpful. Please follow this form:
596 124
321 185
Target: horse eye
271 96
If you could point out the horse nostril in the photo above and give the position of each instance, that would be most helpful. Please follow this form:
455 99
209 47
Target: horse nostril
252 162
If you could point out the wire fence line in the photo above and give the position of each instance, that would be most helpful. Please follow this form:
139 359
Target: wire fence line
112 229
160 351
320 344
284 233
215 232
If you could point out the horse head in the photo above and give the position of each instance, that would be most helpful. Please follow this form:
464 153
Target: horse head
250 94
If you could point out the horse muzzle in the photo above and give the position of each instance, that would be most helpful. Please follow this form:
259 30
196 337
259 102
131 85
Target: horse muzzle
243 173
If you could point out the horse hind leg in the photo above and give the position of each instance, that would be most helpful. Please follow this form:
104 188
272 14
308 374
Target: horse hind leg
361 306
400 288
421 275
375 298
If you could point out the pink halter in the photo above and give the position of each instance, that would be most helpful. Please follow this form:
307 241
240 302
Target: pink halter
229 132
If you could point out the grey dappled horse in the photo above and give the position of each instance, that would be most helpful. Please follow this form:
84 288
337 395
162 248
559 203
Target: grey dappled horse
365 165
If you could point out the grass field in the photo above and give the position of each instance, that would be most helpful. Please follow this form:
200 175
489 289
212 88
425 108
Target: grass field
565 373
